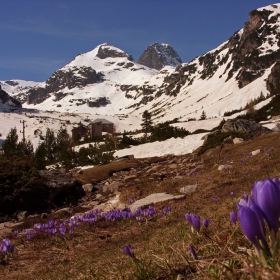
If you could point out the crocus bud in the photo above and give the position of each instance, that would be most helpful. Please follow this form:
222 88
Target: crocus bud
193 252
233 217
128 250
206 222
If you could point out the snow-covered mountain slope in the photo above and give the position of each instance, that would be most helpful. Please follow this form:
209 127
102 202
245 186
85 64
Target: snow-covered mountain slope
18 88
106 80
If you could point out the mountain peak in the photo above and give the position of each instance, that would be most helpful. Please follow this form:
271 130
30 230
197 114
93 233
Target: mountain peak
106 50
159 55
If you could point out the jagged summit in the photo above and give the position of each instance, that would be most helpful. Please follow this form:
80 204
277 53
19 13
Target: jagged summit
106 50
157 56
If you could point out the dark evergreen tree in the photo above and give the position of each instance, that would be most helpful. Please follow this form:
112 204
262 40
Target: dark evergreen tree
40 160
10 145
203 115
25 148
50 146
146 122
64 148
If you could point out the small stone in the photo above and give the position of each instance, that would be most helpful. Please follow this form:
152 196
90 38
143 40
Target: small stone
238 140
188 189
256 152
131 177
22 215
87 188
222 167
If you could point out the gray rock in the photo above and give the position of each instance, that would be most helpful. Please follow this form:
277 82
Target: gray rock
114 186
238 140
154 198
224 166
22 215
65 210
242 125
256 152
188 189
87 188
276 127
131 177
172 166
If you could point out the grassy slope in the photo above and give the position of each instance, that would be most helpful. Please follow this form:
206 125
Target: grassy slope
162 243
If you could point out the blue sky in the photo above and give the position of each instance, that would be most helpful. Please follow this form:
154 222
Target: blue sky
37 37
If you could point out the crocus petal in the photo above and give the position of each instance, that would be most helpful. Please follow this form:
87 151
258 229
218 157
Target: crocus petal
267 196
193 252
252 226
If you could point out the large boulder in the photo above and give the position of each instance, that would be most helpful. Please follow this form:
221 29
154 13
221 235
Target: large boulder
243 126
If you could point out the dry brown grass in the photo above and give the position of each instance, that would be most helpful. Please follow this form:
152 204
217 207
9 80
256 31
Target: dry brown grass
162 243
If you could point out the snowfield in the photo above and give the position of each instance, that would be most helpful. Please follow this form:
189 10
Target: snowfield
175 146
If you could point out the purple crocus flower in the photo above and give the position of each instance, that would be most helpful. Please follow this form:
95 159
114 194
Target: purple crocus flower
52 231
6 242
193 220
267 196
245 195
206 222
232 193
189 218
62 229
128 250
252 226
196 222
233 217
193 252
3 249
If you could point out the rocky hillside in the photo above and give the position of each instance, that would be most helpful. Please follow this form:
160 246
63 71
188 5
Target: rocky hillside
159 55
224 80
6 99
18 88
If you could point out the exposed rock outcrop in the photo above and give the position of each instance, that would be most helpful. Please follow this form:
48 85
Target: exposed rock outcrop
66 78
159 55
5 98
106 50
241 125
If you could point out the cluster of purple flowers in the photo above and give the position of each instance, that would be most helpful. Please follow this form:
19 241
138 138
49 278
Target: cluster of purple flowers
264 207
90 217
6 246
194 221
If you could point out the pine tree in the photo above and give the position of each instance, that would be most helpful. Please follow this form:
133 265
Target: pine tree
40 161
203 115
10 146
146 122
50 145
64 148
